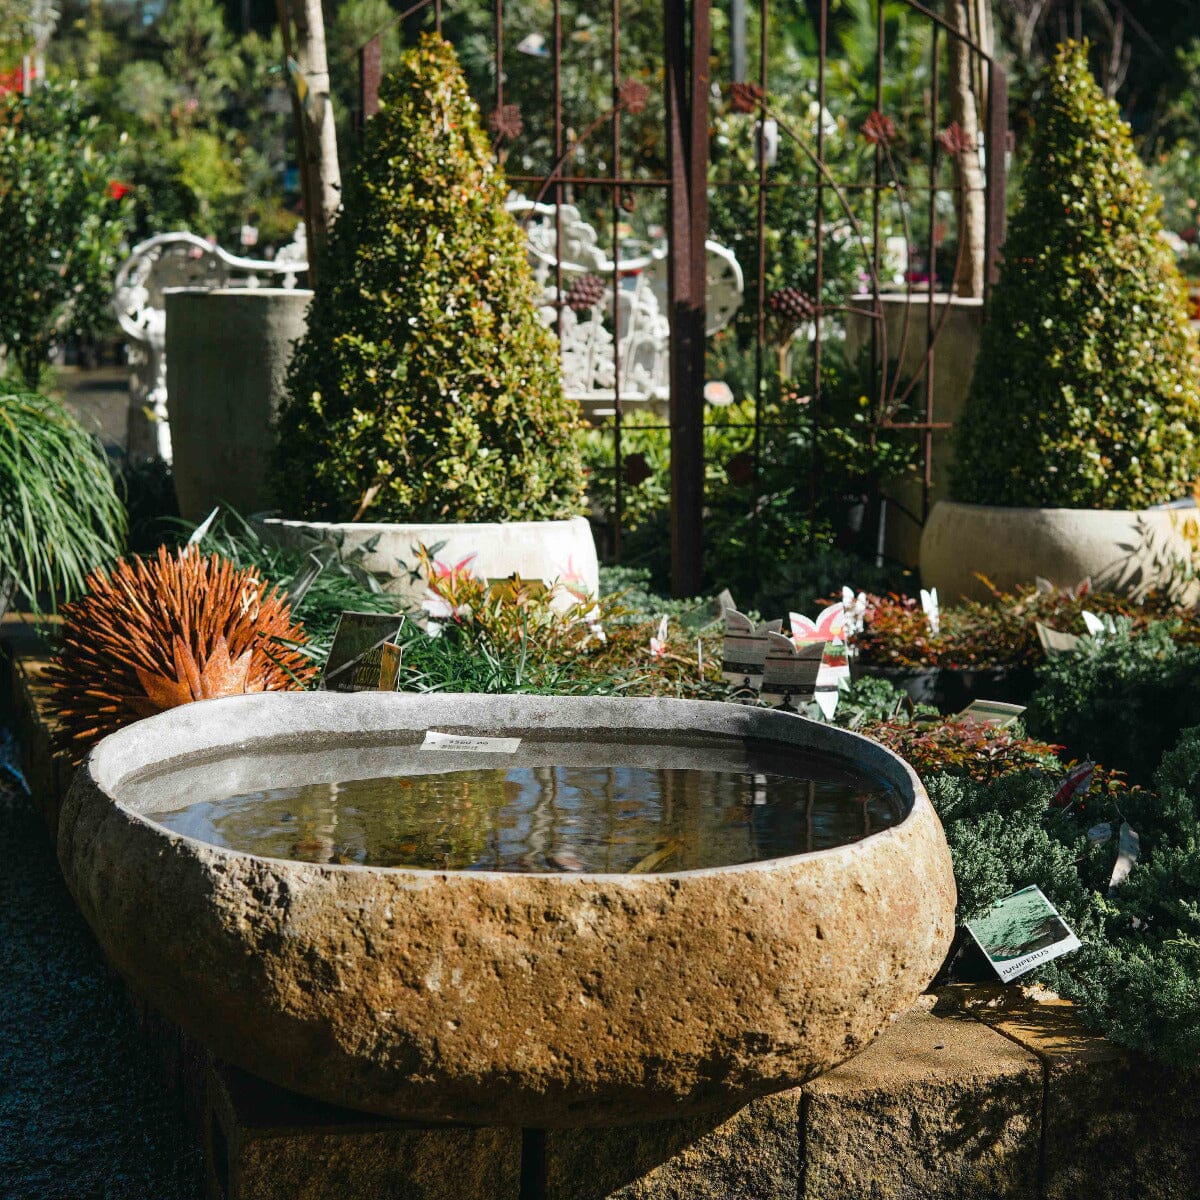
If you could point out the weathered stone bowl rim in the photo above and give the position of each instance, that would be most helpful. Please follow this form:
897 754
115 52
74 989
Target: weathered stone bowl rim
158 729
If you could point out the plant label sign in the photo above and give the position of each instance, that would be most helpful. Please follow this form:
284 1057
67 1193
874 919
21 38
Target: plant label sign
436 740
1054 642
1021 932
744 654
790 671
356 658
991 712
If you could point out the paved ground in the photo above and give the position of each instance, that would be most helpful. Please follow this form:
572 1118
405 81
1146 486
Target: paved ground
82 1113
99 399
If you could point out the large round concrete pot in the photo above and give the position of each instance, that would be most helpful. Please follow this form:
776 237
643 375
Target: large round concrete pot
562 551
227 357
494 997
1120 550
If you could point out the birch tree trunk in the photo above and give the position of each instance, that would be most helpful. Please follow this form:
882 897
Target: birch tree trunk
322 180
965 85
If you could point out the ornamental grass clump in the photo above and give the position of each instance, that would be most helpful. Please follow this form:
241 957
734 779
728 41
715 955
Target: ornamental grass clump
1086 391
427 388
60 516
159 632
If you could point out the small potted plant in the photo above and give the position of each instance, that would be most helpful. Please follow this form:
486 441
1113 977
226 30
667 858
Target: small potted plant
1084 410
425 403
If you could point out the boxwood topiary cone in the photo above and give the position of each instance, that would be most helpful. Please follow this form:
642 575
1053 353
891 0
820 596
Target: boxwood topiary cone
1085 392
426 388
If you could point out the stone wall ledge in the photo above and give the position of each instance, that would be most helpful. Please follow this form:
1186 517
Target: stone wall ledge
978 1092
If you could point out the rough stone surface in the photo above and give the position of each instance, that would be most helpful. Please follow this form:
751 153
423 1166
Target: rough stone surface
941 1108
264 1144
531 1000
47 772
1115 1125
753 1154
1118 550
562 551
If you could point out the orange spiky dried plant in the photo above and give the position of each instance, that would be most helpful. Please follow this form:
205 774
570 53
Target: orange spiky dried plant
163 631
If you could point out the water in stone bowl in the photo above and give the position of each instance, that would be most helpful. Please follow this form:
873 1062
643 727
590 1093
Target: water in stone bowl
537 807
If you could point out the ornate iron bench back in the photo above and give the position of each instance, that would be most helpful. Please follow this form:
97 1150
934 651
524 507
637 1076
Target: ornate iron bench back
602 357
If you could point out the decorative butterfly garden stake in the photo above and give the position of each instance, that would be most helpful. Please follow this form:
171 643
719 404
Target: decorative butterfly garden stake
829 629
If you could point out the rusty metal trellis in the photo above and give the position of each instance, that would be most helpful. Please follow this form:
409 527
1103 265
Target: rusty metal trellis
680 179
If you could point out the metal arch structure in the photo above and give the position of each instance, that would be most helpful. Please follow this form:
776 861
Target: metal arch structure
679 178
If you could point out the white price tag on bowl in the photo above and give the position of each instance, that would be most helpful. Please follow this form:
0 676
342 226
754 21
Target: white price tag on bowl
465 742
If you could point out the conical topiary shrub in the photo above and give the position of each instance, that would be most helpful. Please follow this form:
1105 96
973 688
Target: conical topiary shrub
427 388
1087 386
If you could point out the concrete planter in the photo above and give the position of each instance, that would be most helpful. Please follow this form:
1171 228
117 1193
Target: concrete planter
543 1000
227 357
548 550
1121 550
954 354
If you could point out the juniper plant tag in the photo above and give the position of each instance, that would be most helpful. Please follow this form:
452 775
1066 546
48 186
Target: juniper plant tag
991 712
790 671
1021 932
355 662
744 654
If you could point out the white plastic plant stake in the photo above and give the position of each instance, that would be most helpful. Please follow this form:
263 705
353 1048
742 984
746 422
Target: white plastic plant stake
854 609
933 614
1098 627
658 643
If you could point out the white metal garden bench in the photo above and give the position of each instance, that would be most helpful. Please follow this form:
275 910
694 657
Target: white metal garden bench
174 260
637 372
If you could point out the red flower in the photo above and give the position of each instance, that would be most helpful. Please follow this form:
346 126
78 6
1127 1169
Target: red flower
118 190
878 129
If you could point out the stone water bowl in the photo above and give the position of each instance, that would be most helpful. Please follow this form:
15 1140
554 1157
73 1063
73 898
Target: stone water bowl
549 999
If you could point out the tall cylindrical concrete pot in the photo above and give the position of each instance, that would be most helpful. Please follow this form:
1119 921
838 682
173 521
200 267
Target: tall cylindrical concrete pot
228 351
902 332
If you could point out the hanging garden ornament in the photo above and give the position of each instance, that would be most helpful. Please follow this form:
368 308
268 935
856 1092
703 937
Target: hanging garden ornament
953 140
506 122
792 305
878 129
163 631
745 97
584 293
632 96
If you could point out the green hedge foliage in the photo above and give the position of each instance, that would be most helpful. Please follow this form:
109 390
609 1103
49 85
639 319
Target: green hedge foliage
1086 391
1121 699
426 387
